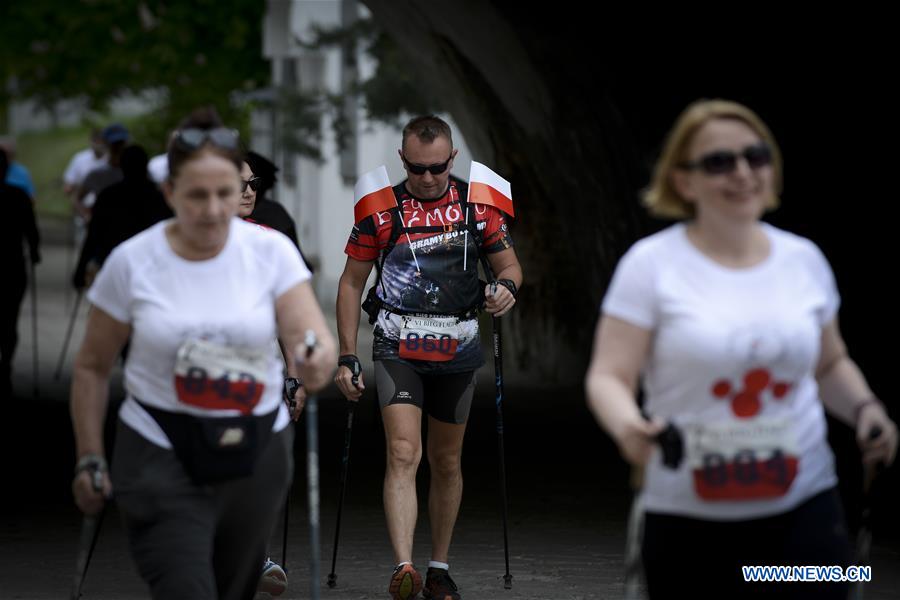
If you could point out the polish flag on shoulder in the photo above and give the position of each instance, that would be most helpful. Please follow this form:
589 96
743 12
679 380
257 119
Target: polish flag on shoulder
486 187
372 193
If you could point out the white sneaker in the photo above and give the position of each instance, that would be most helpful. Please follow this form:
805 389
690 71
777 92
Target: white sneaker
273 580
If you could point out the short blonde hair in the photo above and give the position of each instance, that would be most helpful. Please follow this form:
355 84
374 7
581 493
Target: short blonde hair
661 198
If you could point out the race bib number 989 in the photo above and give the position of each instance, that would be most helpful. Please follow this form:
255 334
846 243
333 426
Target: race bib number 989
216 377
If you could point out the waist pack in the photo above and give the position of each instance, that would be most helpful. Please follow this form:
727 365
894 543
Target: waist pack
215 449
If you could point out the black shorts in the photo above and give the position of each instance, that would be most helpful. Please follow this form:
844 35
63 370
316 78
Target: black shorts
447 398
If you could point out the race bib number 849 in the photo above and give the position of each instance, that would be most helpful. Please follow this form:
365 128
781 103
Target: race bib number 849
216 377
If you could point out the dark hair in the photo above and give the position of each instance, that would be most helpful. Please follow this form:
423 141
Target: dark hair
114 152
263 168
134 163
4 165
205 118
427 128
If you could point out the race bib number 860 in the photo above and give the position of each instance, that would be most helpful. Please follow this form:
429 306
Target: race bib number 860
434 339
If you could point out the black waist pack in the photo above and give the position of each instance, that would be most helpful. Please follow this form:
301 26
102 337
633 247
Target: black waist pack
215 449
372 304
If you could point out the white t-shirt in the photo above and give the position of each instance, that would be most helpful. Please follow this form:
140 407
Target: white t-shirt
732 365
81 164
228 300
158 168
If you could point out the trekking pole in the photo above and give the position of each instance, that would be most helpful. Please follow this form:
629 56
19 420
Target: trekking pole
864 535
291 385
312 478
672 445
498 379
345 467
90 533
65 346
34 334
633 535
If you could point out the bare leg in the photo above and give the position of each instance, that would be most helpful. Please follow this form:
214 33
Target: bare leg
445 441
403 433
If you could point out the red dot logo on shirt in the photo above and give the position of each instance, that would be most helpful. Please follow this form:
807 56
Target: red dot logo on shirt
746 401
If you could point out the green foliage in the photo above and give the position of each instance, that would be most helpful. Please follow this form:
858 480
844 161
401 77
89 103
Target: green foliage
199 51
46 154
394 89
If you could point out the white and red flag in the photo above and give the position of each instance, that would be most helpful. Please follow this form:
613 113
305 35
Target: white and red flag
372 193
486 187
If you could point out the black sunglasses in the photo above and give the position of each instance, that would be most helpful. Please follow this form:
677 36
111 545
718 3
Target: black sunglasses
721 162
253 183
193 138
433 169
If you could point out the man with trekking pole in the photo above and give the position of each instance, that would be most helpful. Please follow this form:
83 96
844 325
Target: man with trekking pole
425 236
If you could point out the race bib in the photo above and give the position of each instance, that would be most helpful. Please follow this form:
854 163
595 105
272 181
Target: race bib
429 338
742 461
216 377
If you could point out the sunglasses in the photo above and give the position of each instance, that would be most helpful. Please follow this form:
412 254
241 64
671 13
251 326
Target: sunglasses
193 138
722 162
253 183
433 169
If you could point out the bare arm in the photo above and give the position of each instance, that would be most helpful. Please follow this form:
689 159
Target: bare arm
620 350
298 400
505 265
78 197
103 340
350 292
297 311
846 394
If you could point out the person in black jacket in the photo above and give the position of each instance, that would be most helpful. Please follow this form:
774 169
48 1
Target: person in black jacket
265 211
17 226
257 177
121 211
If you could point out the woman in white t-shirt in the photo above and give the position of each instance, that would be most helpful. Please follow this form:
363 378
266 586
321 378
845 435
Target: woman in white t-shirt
732 325
202 459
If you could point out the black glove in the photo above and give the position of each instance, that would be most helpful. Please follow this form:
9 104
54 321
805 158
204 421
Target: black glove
508 284
351 362
291 385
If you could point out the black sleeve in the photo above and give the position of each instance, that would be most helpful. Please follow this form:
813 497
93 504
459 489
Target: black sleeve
290 229
32 235
106 227
88 250
92 248
273 214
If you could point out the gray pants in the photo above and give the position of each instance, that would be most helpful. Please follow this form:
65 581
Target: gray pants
198 542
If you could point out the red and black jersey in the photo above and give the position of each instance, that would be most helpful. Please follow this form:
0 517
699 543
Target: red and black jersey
433 268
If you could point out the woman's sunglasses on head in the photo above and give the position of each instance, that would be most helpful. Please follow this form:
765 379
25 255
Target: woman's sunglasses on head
193 138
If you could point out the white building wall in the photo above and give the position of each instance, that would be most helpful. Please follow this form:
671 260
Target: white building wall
319 198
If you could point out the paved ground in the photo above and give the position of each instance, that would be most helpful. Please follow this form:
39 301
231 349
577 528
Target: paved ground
567 491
